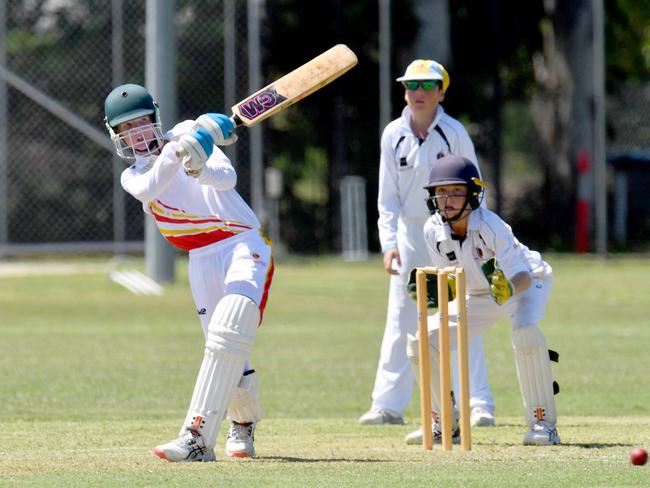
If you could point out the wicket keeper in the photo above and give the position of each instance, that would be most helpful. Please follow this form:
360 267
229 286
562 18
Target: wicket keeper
410 146
505 279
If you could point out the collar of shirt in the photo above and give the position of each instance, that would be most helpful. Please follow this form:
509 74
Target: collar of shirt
442 231
144 163
407 113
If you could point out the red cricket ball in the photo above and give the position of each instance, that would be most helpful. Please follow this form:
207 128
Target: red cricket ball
639 456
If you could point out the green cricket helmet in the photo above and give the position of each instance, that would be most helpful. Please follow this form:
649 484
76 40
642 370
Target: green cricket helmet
129 102
455 170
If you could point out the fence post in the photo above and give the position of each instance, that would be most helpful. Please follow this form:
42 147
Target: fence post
159 78
4 150
354 231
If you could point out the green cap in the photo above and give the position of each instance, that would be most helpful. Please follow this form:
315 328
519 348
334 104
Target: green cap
128 102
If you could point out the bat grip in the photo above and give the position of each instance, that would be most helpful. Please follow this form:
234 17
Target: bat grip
236 121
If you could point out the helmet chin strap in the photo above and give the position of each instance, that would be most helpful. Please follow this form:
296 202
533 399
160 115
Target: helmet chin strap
456 217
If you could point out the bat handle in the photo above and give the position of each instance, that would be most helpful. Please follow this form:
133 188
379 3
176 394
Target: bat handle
236 121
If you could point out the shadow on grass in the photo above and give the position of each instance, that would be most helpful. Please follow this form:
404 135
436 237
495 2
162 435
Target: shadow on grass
290 459
598 445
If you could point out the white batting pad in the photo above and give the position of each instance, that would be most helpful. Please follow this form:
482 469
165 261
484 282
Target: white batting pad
412 351
534 373
231 334
245 405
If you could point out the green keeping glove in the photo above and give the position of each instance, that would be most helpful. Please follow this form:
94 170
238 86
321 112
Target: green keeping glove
488 268
451 281
432 288
500 287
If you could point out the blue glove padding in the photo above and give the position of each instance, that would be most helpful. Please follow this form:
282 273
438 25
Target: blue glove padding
205 139
220 128
196 148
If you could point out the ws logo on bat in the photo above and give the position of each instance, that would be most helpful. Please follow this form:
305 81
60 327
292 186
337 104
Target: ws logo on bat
260 103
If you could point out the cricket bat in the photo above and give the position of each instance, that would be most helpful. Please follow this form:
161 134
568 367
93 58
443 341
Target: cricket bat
294 86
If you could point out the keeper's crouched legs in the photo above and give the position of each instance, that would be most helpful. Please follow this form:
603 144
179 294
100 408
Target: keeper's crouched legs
412 350
536 382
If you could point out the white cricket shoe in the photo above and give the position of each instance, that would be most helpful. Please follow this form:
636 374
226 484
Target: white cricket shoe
481 418
542 434
190 446
377 416
240 440
436 430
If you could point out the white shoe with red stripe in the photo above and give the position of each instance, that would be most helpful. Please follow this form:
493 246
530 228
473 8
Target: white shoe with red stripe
190 446
241 438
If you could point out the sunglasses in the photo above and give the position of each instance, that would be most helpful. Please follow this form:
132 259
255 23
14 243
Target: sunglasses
426 85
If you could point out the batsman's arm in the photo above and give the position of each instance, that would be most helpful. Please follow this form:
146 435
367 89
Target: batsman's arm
218 172
146 185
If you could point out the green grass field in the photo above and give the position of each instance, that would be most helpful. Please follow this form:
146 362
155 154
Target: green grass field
92 377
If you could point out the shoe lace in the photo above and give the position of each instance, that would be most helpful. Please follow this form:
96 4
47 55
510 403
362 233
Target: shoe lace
189 437
240 432
543 425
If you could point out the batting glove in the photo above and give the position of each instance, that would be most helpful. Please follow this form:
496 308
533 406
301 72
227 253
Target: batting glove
500 288
195 149
220 128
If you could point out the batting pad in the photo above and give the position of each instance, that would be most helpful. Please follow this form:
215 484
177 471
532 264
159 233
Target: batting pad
534 373
231 334
412 351
245 404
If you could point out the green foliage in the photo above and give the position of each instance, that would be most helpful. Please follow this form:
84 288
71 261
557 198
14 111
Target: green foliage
312 185
21 41
627 42
64 49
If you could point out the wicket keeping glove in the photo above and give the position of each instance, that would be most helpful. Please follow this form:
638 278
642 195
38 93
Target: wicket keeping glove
195 149
432 288
220 128
488 268
501 288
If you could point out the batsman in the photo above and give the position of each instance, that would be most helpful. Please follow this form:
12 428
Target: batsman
187 185
505 279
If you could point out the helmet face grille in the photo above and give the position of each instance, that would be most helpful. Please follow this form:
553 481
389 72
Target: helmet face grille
138 142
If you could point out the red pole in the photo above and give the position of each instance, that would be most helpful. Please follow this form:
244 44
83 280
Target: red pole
582 204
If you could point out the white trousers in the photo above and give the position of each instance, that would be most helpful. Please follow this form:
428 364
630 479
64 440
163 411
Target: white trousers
524 310
394 380
240 265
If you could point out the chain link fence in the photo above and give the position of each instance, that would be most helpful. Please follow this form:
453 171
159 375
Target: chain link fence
60 188
59 178
629 158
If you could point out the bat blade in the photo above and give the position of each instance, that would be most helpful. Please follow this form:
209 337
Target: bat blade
294 86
